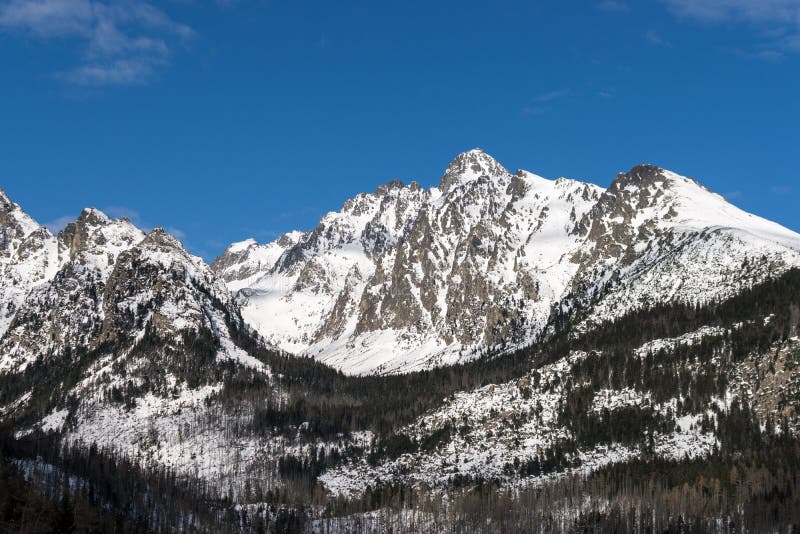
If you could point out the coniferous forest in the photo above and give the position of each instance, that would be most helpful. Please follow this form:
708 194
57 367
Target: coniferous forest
747 482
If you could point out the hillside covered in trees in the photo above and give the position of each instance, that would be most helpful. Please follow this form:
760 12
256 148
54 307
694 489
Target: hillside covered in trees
679 417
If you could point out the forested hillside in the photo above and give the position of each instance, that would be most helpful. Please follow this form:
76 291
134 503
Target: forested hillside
692 409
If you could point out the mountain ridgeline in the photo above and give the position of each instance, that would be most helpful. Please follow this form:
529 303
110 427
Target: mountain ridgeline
407 278
499 353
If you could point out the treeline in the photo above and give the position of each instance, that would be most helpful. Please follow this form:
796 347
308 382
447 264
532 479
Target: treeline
333 403
307 400
49 487
753 490
778 298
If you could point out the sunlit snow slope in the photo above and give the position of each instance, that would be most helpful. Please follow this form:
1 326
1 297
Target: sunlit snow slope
407 278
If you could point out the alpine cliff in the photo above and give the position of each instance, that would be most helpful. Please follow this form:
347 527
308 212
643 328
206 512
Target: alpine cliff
406 278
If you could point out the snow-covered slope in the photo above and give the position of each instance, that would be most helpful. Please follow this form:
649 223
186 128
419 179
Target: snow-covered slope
65 310
124 346
521 432
407 278
658 237
28 257
244 262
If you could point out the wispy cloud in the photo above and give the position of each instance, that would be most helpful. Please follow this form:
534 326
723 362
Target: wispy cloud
768 55
780 189
778 21
179 234
120 42
117 212
214 243
613 6
539 103
721 10
553 95
56 225
534 110
655 39
302 211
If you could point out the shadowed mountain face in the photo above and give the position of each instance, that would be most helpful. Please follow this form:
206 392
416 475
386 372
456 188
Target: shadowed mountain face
407 278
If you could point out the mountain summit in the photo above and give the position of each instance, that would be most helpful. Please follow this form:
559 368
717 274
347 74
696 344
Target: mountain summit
469 165
407 278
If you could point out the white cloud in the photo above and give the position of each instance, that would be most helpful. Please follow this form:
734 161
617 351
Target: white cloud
177 233
117 212
60 223
786 11
780 189
121 42
539 104
614 6
534 110
777 20
553 95
655 39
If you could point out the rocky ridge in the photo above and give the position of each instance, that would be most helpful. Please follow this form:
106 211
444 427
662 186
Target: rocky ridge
406 278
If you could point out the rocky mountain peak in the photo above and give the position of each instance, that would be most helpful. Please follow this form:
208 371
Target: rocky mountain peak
407 277
640 176
93 216
470 165
288 239
27 257
94 235
5 202
13 221
647 176
651 187
161 239
383 190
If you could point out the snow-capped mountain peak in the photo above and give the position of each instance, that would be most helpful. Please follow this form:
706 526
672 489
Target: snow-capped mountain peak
245 261
28 257
96 240
405 277
469 165
658 236
13 221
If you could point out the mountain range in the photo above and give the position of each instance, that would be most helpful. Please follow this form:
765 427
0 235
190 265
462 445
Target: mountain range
500 331
406 278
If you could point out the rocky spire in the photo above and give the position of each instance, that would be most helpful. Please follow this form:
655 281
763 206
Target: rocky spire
5 202
644 174
469 165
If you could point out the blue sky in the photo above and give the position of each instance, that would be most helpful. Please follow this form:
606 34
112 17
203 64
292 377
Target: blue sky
224 120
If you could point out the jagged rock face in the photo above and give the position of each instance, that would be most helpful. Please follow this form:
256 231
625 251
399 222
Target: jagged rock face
656 236
113 283
129 333
469 165
28 257
406 277
158 282
243 262
65 311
